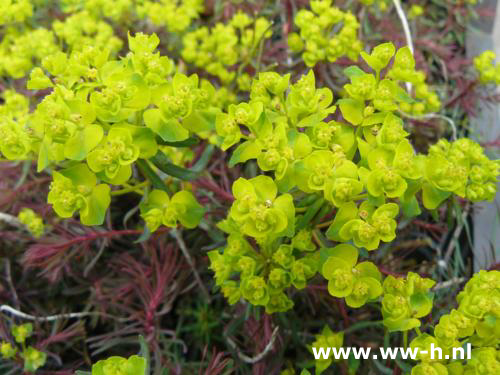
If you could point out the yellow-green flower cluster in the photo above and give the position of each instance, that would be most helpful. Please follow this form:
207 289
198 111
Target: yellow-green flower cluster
357 282
386 94
461 168
415 11
383 5
326 33
32 358
175 15
405 301
486 68
219 49
15 11
326 339
15 143
281 259
32 221
120 366
20 49
115 10
283 127
104 116
82 29
475 322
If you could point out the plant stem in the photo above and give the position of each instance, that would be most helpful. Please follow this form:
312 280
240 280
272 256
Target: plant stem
132 189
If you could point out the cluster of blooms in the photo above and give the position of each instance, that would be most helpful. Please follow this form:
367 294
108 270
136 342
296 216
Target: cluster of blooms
32 221
326 339
15 11
415 11
15 143
101 117
326 33
460 168
475 321
405 300
383 5
258 212
387 95
30 356
133 365
364 168
20 49
219 49
115 10
357 282
175 15
83 29
485 66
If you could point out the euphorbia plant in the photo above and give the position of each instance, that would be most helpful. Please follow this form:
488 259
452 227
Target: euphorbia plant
315 188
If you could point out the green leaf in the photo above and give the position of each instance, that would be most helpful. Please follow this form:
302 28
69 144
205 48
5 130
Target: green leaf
169 130
150 174
353 71
146 235
421 304
43 156
245 151
205 157
144 353
98 203
192 215
432 196
352 110
345 213
403 96
411 208
310 213
191 141
77 147
162 162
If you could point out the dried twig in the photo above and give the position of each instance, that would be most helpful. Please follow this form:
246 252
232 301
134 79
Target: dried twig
406 28
20 314
259 356
178 236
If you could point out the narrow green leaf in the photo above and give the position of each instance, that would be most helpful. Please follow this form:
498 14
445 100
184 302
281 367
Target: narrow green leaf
191 141
144 352
353 71
148 172
162 162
